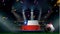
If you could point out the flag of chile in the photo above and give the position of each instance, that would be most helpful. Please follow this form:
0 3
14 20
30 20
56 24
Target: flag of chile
31 25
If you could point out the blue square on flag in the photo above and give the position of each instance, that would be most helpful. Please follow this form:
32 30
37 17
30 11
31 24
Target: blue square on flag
25 22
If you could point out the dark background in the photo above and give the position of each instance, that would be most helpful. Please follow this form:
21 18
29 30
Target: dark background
9 18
